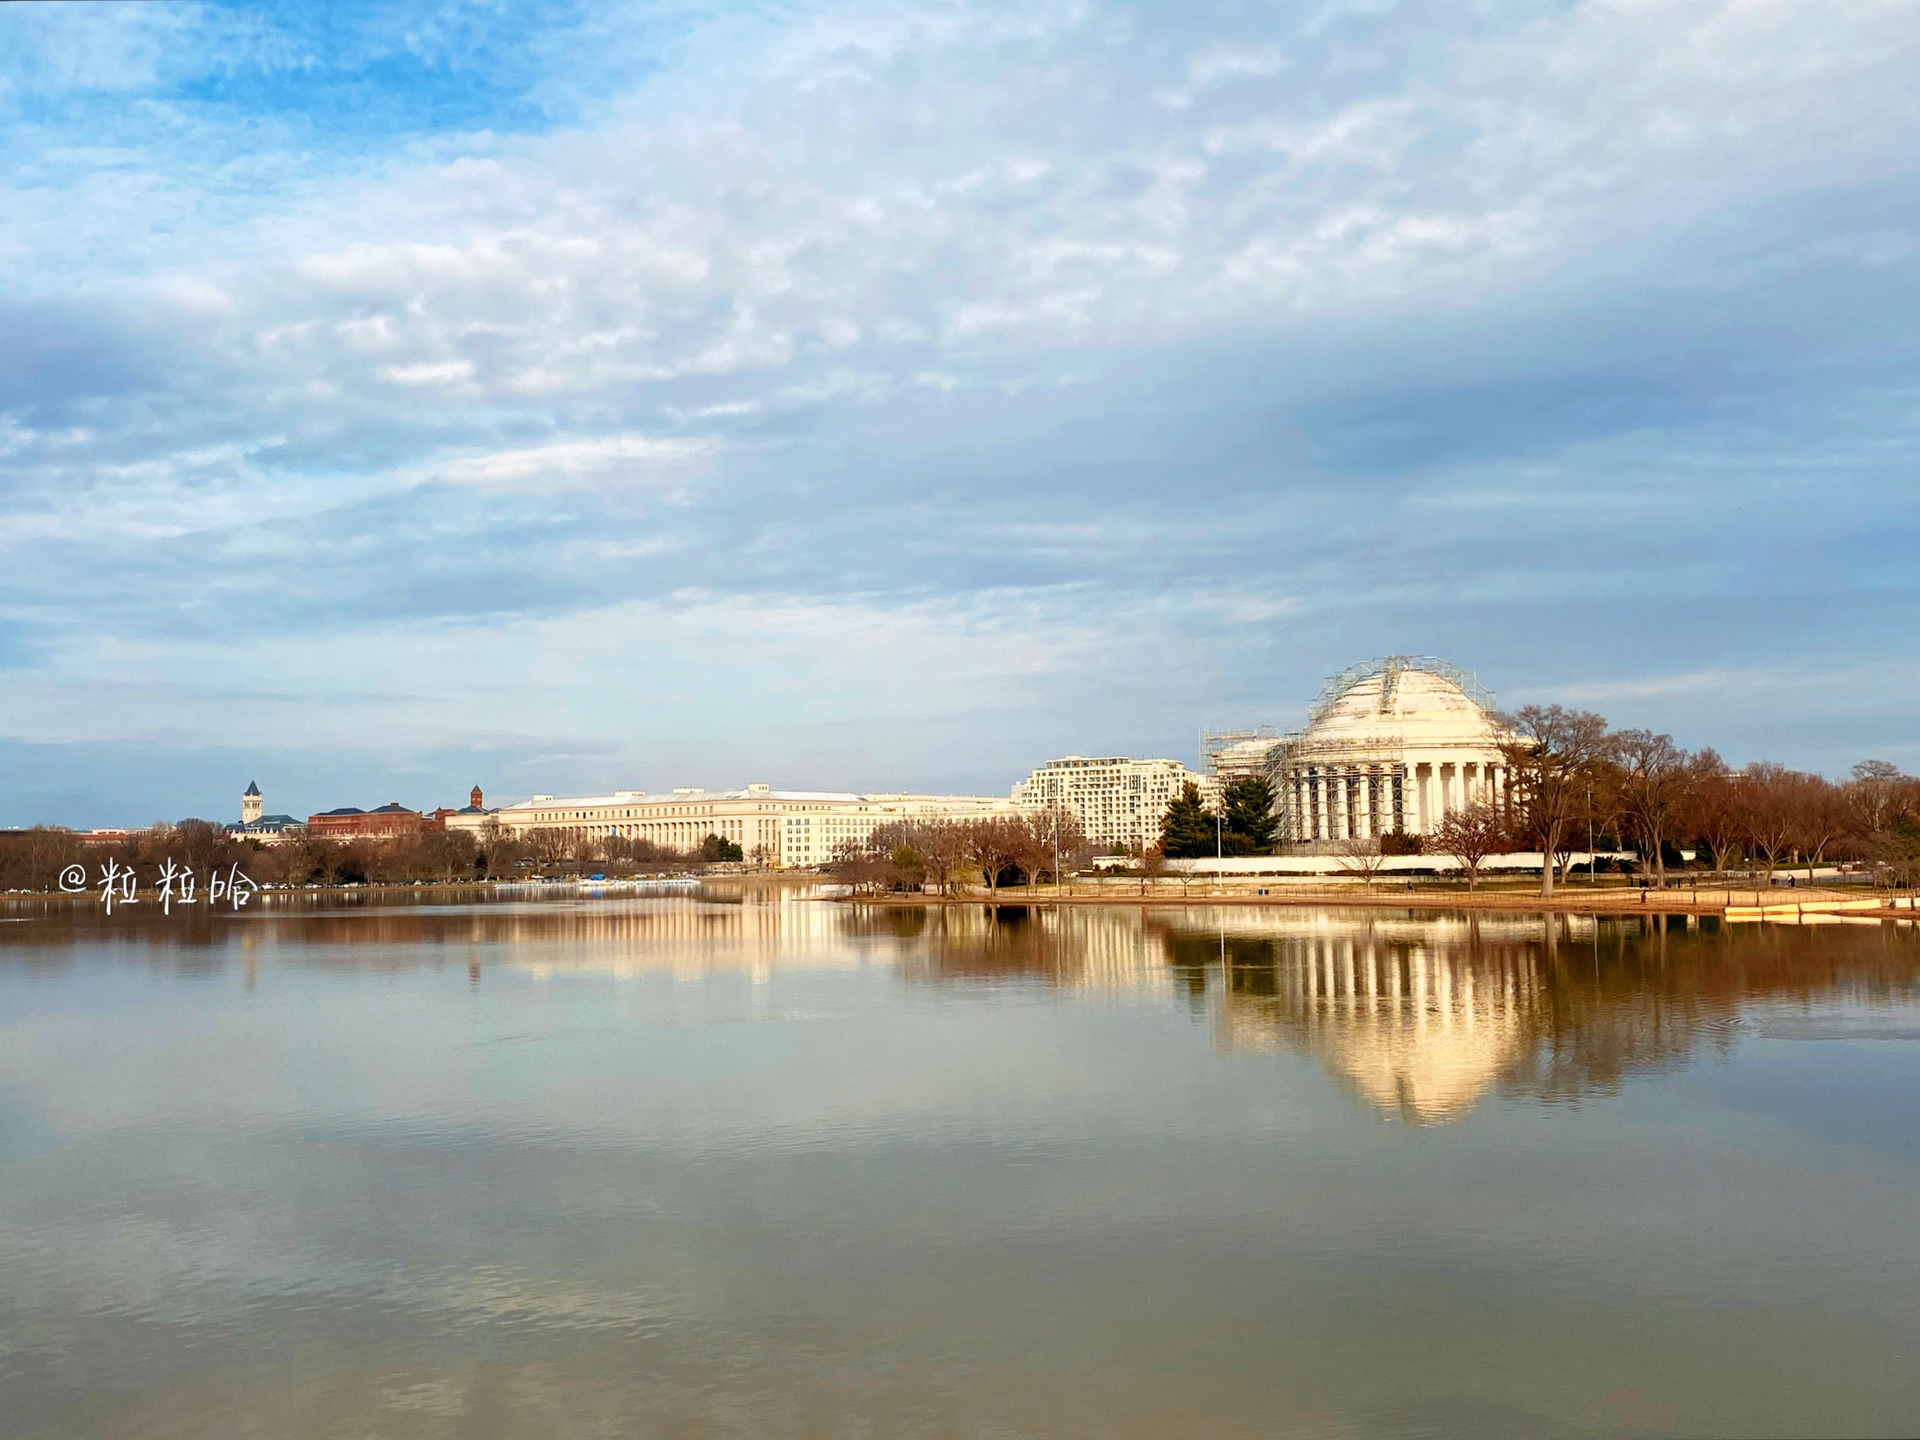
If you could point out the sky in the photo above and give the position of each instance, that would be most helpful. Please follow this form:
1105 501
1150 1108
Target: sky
562 397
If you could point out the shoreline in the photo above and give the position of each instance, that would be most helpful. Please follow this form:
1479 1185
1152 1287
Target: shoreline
1786 904
1859 904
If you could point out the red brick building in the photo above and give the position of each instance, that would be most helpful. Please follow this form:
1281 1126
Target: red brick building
391 821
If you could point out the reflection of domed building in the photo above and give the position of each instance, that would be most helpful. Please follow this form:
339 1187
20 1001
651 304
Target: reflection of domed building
1419 1017
1392 744
1416 1033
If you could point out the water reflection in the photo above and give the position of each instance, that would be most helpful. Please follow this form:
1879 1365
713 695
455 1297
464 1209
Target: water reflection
1085 950
1425 1015
1420 1014
753 1162
734 927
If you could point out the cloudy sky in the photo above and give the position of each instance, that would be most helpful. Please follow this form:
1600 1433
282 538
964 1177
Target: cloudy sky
555 396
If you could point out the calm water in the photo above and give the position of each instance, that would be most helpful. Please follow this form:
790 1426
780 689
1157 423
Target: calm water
753 1166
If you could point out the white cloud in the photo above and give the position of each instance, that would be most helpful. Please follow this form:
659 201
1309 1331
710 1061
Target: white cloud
625 459
694 663
873 218
429 372
1219 62
664 251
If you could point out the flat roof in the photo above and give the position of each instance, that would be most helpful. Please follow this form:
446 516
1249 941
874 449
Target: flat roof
699 797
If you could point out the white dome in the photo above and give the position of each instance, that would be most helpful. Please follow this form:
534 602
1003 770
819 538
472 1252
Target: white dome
1394 744
1406 708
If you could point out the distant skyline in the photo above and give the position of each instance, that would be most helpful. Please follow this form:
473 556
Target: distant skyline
399 397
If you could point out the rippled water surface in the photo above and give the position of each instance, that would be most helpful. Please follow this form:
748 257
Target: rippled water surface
752 1164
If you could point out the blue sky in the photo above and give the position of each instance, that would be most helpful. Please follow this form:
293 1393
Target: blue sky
394 397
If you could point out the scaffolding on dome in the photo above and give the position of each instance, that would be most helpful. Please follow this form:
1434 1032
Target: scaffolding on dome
1380 786
1232 754
1393 667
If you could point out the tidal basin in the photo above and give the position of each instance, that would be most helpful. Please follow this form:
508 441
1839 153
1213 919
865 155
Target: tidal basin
749 1163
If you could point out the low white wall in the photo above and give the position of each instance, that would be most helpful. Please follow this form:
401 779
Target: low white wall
1389 865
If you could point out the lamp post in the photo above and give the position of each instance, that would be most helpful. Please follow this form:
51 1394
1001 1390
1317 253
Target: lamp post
1593 860
1219 851
1056 849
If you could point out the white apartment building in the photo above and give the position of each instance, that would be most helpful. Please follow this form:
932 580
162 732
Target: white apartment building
792 829
1119 802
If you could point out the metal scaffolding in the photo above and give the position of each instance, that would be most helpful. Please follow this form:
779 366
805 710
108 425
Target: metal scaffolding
1349 785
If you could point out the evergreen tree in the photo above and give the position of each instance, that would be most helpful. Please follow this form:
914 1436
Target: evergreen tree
1187 833
1251 823
718 847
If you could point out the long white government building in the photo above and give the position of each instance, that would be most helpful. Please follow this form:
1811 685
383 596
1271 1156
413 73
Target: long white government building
1394 744
783 828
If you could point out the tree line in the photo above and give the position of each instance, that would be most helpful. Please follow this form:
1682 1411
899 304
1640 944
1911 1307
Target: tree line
1636 789
1573 781
35 859
915 855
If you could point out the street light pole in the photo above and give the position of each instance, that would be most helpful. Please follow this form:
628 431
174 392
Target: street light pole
1219 853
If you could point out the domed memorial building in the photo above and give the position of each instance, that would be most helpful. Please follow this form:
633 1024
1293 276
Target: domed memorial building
1392 744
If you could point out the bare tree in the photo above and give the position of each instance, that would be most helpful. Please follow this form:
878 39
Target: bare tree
1553 756
920 851
1360 857
1713 807
1821 814
1153 864
445 854
876 864
944 844
1873 796
1655 781
1032 845
1883 814
862 866
1472 836
636 851
33 859
498 847
994 844
1767 802
550 845
1046 842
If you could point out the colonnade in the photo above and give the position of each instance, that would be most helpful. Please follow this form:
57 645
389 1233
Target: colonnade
745 831
1364 801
